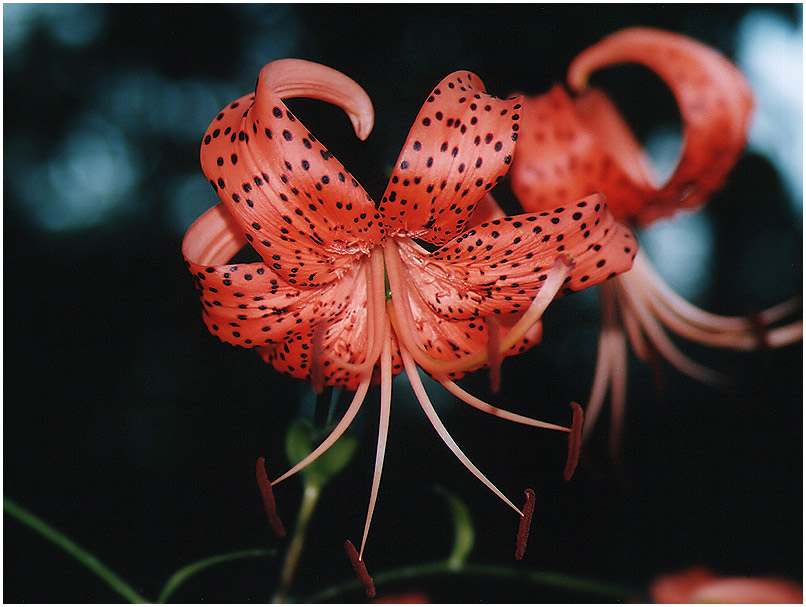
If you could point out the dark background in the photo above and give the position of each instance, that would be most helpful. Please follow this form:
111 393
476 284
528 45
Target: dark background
135 432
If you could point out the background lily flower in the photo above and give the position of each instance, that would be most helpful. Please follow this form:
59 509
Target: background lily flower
699 585
344 293
571 147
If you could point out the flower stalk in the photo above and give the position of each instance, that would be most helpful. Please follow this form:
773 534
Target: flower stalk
310 497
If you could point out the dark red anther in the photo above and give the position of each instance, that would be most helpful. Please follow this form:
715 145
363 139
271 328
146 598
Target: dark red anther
360 569
574 441
525 523
268 498
494 358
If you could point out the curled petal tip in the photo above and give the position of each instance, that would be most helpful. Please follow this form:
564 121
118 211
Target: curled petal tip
298 78
362 123
578 80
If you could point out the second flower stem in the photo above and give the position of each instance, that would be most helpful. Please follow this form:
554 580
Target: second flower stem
310 497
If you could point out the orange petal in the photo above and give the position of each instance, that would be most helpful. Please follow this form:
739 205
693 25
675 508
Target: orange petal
573 148
558 160
699 585
678 588
460 146
288 194
247 305
749 591
497 267
715 103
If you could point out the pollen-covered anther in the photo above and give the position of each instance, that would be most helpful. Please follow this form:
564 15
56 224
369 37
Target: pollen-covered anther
268 498
360 569
525 523
494 355
574 441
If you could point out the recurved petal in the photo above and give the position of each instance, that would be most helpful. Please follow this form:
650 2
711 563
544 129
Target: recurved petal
715 102
246 304
559 159
459 147
499 266
289 195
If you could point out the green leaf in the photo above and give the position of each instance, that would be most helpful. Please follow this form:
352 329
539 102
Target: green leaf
180 576
302 438
464 534
77 552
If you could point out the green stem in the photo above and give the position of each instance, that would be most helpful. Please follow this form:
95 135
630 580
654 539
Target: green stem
179 578
309 499
445 568
77 552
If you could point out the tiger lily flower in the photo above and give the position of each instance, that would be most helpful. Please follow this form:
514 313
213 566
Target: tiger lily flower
700 585
572 147
344 294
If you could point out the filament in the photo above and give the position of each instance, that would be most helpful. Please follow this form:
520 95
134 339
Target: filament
431 414
405 328
340 428
481 405
383 432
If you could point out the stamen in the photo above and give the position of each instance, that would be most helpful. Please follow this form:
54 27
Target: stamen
494 356
604 356
643 273
601 380
383 432
268 498
405 327
360 569
345 422
525 523
574 441
788 334
618 395
481 405
317 355
664 345
442 431
628 321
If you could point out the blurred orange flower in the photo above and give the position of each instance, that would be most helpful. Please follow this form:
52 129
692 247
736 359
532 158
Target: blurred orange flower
699 585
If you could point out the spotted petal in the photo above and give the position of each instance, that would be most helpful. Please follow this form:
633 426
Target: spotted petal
460 338
248 305
594 143
460 146
558 159
292 199
496 268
